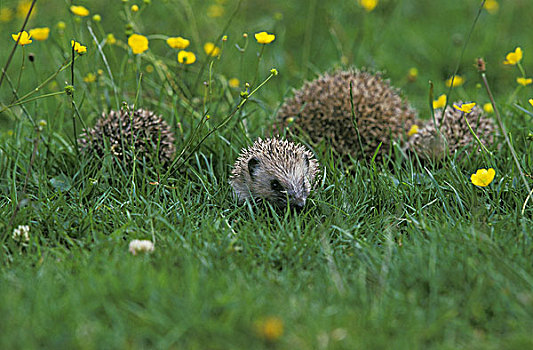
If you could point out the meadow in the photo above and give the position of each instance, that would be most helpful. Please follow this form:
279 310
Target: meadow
395 254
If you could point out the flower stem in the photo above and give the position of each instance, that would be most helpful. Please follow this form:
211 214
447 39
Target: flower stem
502 127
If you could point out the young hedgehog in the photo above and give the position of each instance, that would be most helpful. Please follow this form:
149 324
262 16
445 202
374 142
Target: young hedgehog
322 109
149 132
454 134
278 171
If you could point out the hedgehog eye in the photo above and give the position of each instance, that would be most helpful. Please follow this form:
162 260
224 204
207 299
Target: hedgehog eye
276 186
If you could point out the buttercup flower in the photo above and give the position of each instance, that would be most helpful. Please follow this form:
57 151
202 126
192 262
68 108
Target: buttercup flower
40 34
483 177
264 37
215 11
412 74
524 81
513 57
440 102
270 328
487 107
134 8
89 78
186 57
211 50
234 83
6 14
138 43
465 107
79 10
491 6
23 8
530 101
141 246
413 130
79 48
368 5
457 81
110 39
24 38
178 42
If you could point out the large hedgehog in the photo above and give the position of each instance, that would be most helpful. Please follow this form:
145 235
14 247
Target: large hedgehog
322 109
278 171
454 134
150 135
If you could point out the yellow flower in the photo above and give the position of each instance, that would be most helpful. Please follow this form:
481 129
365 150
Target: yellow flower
6 15
413 130
138 43
487 107
465 107
186 57
234 83
491 6
110 39
97 18
270 328
412 74
531 101
40 34
90 78
514 57
215 11
368 5
524 81
79 48
211 50
440 102
23 8
24 38
483 177
178 42
457 81
264 37
134 8
79 11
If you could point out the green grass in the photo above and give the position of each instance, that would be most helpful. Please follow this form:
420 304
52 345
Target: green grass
400 255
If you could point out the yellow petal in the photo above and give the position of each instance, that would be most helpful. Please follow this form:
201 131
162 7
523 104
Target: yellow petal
264 37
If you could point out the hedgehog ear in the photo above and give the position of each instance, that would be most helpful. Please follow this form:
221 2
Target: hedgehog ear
253 164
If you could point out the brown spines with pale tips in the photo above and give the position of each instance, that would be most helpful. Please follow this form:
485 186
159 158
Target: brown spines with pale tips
278 171
454 134
149 133
322 109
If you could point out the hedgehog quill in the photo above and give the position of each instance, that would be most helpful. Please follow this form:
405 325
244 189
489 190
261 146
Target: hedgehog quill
278 171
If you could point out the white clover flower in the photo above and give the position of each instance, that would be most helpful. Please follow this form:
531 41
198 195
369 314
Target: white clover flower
141 246
21 233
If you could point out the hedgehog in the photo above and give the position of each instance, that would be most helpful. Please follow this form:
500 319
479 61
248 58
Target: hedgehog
150 134
322 109
274 170
454 134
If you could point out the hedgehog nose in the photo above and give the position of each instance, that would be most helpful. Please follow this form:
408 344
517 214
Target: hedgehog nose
298 203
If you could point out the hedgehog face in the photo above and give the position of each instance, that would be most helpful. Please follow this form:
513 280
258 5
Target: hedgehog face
281 186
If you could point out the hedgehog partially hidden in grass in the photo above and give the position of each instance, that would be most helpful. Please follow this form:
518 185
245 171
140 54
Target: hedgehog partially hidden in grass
322 109
454 134
278 171
149 133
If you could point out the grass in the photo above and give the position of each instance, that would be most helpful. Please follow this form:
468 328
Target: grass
401 255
